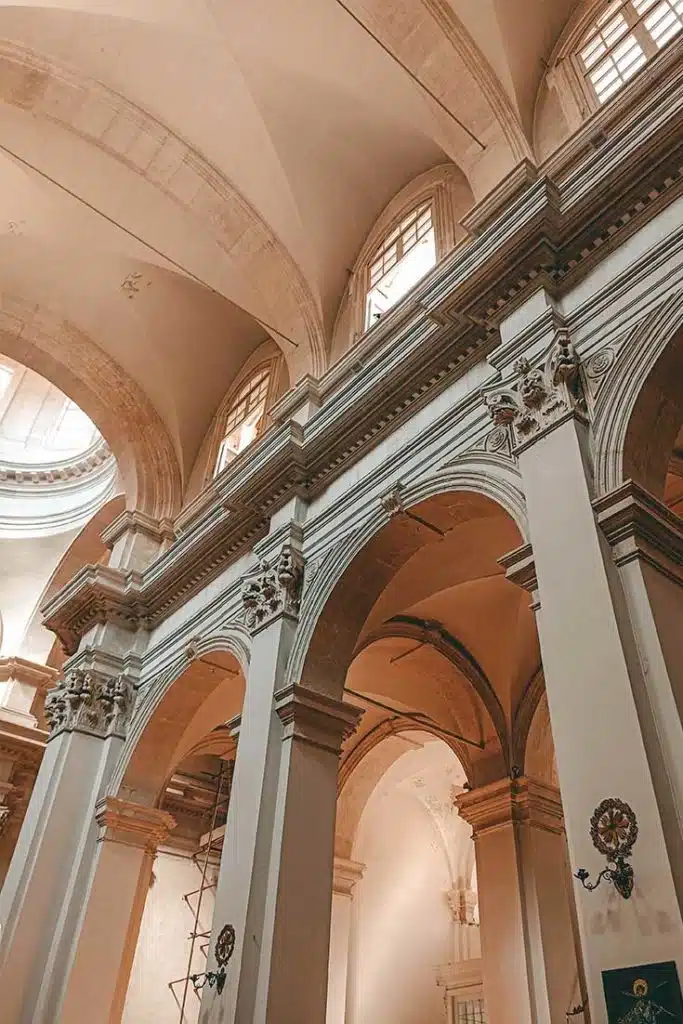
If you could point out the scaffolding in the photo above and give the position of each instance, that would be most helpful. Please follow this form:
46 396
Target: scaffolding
208 851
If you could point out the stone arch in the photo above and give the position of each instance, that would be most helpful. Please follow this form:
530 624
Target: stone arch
273 288
467 666
639 409
202 689
334 609
524 717
55 348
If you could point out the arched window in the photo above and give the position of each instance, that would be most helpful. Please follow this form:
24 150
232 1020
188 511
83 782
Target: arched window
405 256
245 417
622 39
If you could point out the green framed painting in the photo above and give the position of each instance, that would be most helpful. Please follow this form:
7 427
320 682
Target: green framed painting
647 994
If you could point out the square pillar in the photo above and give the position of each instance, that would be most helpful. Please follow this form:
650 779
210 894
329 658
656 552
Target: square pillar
527 940
600 709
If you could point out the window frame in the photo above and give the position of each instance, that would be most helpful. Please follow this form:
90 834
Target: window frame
395 238
636 27
268 369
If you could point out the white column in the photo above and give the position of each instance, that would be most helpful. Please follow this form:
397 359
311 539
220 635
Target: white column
114 903
598 699
47 882
347 874
271 596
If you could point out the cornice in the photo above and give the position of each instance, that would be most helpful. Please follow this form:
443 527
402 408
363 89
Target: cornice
30 672
548 235
67 470
512 802
640 527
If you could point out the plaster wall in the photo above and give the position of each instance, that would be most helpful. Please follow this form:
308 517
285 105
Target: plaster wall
27 565
163 945
402 926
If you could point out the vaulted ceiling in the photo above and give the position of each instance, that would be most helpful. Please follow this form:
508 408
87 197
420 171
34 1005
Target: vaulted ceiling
183 178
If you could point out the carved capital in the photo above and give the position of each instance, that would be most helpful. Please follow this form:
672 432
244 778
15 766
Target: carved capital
520 801
5 814
133 824
313 718
540 396
463 905
273 589
85 700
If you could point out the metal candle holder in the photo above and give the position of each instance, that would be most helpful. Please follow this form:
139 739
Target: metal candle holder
614 830
223 950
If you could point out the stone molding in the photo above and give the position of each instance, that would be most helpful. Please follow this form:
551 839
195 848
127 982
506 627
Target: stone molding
273 589
550 235
159 531
86 700
30 672
314 718
520 568
347 874
132 824
640 527
50 473
541 397
522 801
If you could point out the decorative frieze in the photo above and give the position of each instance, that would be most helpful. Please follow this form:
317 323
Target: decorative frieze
273 589
541 395
85 700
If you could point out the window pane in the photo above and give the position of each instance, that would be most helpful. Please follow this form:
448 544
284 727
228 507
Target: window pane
400 264
244 419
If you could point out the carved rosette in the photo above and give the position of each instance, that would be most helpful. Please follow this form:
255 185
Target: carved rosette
541 395
273 589
88 701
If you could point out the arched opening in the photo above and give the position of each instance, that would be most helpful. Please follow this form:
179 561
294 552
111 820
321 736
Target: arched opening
653 445
405 931
425 634
181 764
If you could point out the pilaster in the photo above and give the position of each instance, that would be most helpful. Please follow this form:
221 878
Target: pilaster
601 711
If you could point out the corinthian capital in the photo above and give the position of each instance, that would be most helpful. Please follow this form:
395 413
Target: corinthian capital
85 700
273 588
541 395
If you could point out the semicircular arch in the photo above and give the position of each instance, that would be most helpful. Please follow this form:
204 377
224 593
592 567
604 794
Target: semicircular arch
68 358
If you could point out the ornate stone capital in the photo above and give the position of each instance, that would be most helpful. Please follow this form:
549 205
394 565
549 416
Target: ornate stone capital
541 396
512 802
133 824
314 718
463 905
273 589
5 813
86 700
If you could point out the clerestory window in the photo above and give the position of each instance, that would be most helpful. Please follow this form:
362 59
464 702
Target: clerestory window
404 257
245 418
627 34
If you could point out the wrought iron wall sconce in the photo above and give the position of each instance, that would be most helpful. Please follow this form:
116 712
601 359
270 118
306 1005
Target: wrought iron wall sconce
614 830
225 947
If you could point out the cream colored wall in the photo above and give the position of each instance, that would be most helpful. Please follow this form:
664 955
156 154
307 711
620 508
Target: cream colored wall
163 946
26 568
402 925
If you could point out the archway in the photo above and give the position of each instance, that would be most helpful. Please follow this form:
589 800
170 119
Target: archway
168 790
423 631
405 933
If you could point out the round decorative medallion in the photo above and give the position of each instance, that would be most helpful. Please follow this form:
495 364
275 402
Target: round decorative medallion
600 363
225 945
614 828
497 440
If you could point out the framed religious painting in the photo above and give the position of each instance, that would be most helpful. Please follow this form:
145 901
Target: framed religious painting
648 994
